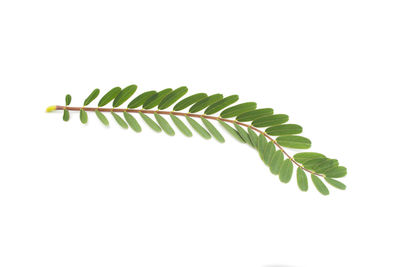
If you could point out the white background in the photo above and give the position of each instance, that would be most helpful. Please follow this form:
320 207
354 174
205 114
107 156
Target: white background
75 195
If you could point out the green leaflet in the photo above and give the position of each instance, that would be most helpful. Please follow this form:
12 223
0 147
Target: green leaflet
321 187
243 134
181 126
337 172
152 124
102 118
285 174
132 122
306 156
110 95
221 104
91 97
302 181
119 120
68 100
124 95
285 129
313 163
292 141
83 116
205 102
255 114
190 100
155 99
335 183
66 115
198 128
276 162
269 153
164 124
140 99
172 97
253 137
326 165
238 109
232 131
272 120
261 144
213 131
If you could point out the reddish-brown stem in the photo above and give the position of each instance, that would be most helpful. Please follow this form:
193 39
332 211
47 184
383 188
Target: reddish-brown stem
190 115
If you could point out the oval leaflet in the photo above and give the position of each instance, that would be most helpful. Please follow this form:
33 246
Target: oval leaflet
294 141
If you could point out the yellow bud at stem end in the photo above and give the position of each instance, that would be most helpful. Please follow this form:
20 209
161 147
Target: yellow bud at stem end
51 108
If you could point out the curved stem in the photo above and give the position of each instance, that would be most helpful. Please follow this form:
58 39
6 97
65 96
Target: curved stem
194 116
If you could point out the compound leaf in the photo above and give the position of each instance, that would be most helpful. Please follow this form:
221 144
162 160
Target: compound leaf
271 151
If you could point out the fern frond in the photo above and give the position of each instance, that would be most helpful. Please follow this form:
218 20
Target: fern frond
248 123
